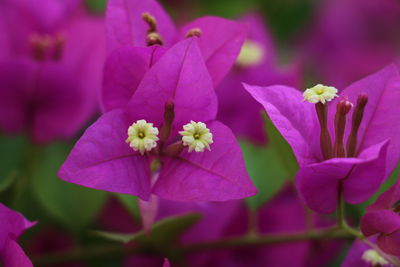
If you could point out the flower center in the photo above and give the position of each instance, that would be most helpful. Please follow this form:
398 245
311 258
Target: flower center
142 136
196 136
320 93
251 54
373 257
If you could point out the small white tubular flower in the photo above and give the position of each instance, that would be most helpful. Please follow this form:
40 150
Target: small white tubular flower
251 54
374 258
196 136
320 93
142 136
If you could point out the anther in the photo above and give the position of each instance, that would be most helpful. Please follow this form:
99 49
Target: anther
355 124
342 109
193 32
151 21
154 38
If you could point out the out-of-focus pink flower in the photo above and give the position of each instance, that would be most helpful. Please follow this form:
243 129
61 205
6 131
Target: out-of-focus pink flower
12 225
369 145
129 36
174 92
350 39
50 67
383 219
257 64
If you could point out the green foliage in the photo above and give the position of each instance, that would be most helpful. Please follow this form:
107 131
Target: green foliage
97 6
11 157
163 233
72 205
269 167
131 203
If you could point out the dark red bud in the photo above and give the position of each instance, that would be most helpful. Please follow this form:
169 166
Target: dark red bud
193 32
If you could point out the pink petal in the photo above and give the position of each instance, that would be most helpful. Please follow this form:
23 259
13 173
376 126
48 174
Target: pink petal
383 90
102 159
380 221
366 178
123 71
13 255
148 212
318 183
216 175
390 243
295 119
180 75
387 199
125 26
220 43
166 263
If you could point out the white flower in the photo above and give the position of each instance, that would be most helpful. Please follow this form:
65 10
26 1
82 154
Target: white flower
196 136
251 54
320 93
142 136
374 258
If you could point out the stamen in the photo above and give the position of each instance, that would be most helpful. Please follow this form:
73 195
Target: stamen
356 122
40 46
342 109
151 21
325 138
152 38
58 46
193 32
166 128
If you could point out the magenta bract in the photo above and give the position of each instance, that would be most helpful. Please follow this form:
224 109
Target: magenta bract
379 139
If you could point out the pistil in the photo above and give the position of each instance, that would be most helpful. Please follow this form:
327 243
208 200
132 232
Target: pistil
342 109
356 122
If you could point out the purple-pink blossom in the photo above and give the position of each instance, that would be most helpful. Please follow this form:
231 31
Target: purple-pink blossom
175 91
50 67
383 219
364 151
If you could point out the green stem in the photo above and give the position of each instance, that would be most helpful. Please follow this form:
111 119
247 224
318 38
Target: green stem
242 241
340 216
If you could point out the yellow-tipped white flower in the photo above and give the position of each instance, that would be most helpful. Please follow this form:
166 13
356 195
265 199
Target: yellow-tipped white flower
196 136
320 93
142 136
374 258
251 54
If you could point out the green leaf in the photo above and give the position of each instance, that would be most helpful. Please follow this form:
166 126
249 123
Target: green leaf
281 148
131 203
11 157
72 205
163 233
97 6
266 171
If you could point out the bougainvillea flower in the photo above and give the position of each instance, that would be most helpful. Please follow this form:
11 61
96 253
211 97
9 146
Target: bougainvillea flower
383 218
363 153
256 64
351 39
175 97
363 255
139 31
12 225
50 64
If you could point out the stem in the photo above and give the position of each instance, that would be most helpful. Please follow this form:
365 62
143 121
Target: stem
120 250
